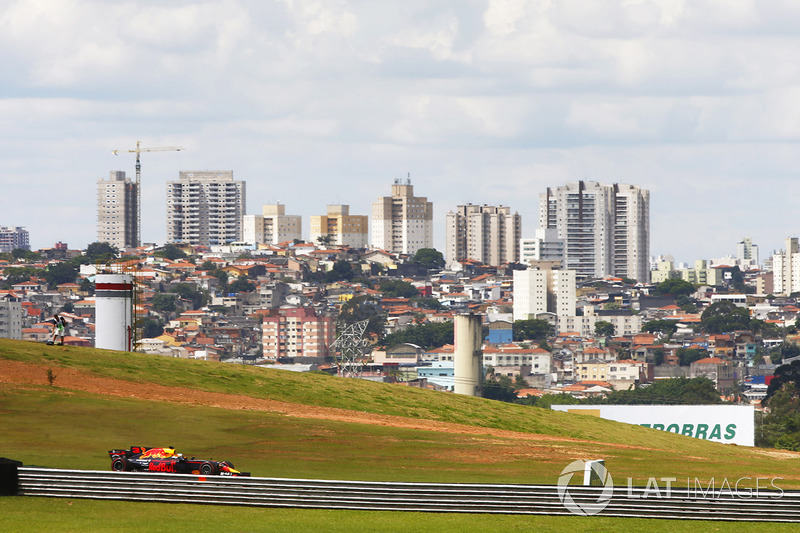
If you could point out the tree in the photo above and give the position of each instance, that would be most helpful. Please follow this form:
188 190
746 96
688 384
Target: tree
59 273
660 326
499 389
190 292
164 303
531 329
658 356
687 356
429 258
26 255
603 328
784 374
222 276
87 286
547 400
101 252
363 308
152 328
432 335
674 287
722 317
694 391
780 427
16 275
428 303
241 284
170 251
342 270
397 289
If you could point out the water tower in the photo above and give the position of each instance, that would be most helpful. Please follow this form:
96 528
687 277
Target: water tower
468 356
114 312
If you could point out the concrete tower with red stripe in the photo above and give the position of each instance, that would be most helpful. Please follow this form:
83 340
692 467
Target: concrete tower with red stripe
114 312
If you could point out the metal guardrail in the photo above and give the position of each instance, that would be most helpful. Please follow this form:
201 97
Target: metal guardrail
769 506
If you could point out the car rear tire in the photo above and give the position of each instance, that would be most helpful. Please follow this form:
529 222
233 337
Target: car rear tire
119 465
206 469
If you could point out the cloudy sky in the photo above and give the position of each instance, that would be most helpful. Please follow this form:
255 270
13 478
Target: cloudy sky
318 102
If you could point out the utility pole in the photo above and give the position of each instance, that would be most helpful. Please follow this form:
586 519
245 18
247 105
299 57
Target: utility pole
138 150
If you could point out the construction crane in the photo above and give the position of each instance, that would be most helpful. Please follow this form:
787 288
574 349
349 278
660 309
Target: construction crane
138 150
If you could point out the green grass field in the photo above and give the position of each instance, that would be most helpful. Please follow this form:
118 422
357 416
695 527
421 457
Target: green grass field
18 514
55 426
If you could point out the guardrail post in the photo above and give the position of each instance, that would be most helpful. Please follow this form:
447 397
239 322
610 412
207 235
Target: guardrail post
9 476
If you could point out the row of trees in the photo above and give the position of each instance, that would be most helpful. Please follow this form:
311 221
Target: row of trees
676 391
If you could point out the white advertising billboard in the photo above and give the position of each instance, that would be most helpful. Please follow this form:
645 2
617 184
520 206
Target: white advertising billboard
729 424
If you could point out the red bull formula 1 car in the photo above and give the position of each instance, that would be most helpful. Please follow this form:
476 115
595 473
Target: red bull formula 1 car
143 459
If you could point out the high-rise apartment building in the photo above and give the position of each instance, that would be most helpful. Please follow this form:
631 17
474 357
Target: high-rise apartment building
297 332
786 269
544 246
340 227
402 223
747 252
486 233
544 288
117 211
10 316
272 226
14 237
205 208
605 228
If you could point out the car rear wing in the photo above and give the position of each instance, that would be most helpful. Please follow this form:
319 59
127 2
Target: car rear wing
134 450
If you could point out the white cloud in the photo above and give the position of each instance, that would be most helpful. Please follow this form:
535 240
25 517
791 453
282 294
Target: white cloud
482 101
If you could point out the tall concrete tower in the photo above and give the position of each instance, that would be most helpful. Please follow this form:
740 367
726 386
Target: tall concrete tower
467 357
114 312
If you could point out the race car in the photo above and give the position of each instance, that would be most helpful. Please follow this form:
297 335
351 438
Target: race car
144 459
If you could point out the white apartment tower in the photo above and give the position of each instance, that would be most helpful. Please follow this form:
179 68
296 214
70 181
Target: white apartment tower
10 316
14 237
545 246
544 288
786 269
486 233
342 228
402 223
117 211
205 208
747 252
272 226
605 228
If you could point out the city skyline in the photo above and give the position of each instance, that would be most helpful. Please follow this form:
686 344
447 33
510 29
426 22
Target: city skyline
482 102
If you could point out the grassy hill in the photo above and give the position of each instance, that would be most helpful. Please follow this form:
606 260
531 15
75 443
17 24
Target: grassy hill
284 424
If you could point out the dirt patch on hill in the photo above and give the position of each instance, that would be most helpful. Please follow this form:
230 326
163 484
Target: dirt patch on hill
71 379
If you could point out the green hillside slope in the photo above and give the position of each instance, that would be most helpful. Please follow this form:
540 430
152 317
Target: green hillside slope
324 426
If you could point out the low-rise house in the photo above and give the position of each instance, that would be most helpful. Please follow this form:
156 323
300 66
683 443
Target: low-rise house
512 355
